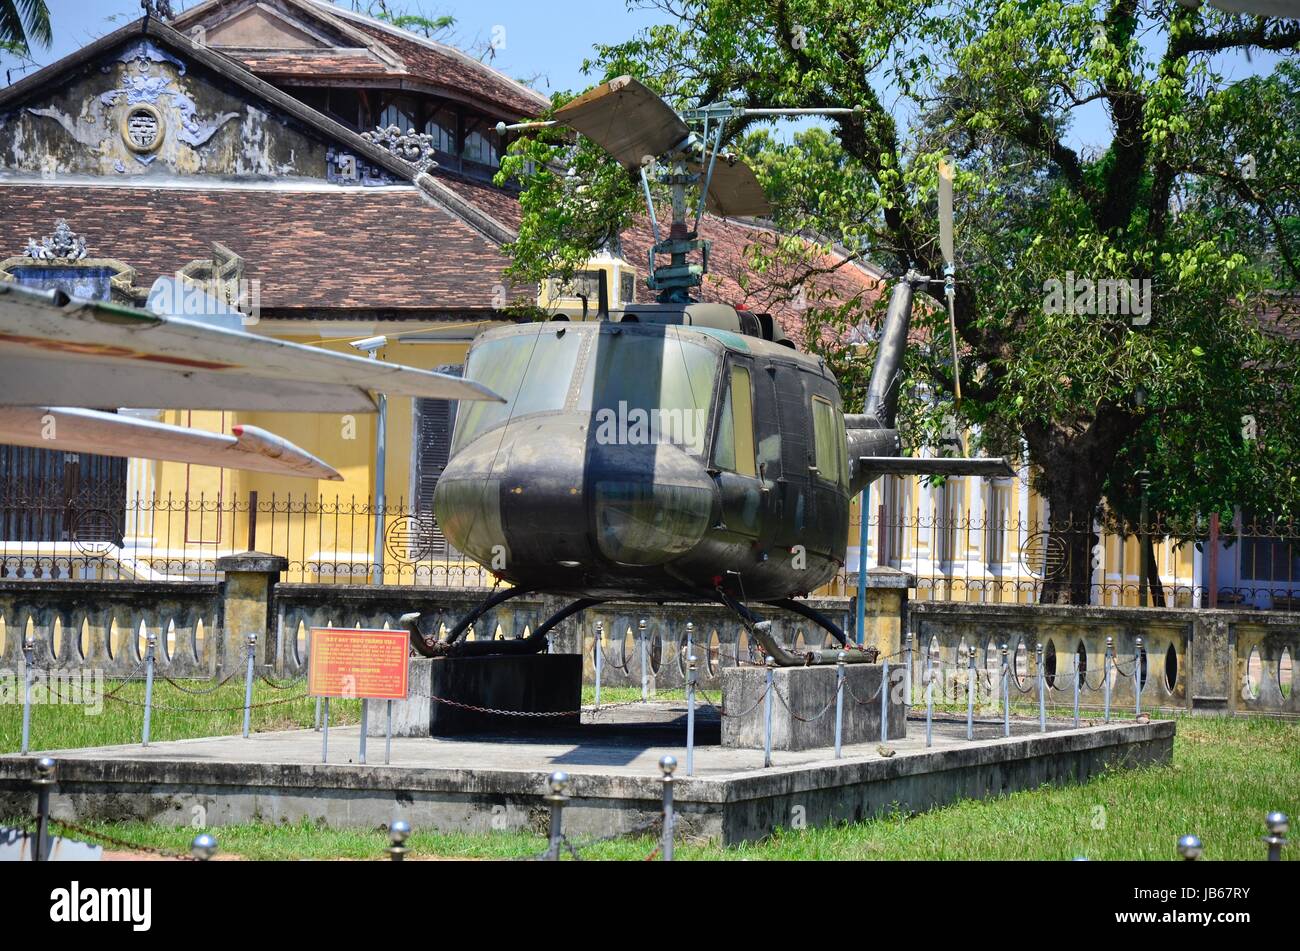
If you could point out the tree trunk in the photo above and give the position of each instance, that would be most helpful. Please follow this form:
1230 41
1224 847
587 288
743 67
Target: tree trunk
1072 507
1155 588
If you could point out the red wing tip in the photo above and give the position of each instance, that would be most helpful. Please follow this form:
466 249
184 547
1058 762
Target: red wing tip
237 430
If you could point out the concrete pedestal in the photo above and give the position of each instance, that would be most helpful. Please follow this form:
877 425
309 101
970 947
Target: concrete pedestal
533 683
807 691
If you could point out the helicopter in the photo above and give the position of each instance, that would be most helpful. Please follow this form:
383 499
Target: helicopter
678 450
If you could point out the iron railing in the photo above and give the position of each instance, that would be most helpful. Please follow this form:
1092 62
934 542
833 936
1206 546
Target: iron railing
954 554
181 538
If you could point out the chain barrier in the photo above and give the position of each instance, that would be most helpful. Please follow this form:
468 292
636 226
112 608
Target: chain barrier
872 699
535 714
813 719
283 685
575 848
201 693
66 826
241 707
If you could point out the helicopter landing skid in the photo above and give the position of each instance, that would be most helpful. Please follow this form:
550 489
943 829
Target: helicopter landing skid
432 646
534 643
762 632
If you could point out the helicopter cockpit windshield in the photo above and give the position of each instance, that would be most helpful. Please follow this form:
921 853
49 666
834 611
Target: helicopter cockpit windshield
640 384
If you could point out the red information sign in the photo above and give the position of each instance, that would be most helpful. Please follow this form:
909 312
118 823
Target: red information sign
363 665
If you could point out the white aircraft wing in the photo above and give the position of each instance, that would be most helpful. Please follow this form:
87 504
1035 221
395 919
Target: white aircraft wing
68 429
70 352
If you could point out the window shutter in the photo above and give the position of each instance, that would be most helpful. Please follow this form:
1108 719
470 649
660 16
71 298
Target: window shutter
434 422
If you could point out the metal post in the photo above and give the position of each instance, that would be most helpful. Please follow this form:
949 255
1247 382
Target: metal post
381 464
152 641
248 685
1006 693
28 646
690 716
970 694
1077 674
907 660
1278 825
317 726
600 636
645 673
884 701
558 782
668 764
929 702
365 728
325 734
1042 690
388 734
1189 847
767 713
1105 676
1137 678
399 830
839 703
690 638
45 768
203 847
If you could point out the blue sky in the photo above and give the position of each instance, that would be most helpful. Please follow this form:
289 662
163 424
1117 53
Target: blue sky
544 40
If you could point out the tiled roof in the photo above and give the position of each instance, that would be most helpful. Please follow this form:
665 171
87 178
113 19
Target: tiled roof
331 63
353 248
840 282
451 69
1279 314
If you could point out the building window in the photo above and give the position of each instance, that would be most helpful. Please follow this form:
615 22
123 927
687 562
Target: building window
482 144
947 502
434 422
1266 558
47 495
400 114
997 515
442 127
895 491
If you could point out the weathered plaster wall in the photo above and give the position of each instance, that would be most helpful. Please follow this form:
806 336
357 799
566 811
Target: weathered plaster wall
206 125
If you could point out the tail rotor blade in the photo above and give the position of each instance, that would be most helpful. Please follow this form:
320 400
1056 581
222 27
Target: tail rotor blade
945 212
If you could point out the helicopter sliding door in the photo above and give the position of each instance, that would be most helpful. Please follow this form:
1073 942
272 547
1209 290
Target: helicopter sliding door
812 491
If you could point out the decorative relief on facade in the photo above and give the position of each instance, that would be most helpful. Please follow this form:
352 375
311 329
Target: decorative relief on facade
415 148
63 245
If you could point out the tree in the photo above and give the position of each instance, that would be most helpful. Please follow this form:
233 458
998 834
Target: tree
1084 275
22 21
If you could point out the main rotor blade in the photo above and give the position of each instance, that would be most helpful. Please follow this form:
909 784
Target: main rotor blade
734 190
945 212
626 119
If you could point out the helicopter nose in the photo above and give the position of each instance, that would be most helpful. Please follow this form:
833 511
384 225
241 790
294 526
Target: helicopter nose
650 503
547 495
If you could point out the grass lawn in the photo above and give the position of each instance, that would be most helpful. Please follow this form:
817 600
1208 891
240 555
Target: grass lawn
1227 773
176 716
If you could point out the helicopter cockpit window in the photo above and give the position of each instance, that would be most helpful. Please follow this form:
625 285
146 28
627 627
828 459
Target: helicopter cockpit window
531 370
827 450
734 446
650 388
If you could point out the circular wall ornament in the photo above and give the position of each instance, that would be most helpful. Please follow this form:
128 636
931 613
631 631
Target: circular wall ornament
143 128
